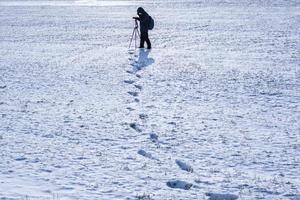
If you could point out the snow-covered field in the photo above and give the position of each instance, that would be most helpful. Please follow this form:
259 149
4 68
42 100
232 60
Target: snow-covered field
212 110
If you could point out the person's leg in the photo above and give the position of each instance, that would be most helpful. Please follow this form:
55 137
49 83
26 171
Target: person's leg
147 41
143 38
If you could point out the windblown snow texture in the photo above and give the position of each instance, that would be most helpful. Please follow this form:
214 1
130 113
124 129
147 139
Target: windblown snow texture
211 112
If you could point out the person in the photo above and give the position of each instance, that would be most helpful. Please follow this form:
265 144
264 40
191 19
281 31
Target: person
144 20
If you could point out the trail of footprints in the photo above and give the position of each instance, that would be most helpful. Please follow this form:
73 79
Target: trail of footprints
154 138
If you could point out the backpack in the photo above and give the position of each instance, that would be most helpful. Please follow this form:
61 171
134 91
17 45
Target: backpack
151 23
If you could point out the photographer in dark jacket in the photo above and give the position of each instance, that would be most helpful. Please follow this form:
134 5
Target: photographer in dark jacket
144 19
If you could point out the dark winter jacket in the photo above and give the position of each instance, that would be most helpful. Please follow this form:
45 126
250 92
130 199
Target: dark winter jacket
144 19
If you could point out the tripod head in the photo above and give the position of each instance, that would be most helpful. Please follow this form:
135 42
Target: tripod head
136 23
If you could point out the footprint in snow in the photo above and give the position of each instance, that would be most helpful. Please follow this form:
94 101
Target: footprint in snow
143 116
130 72
135 127
66 188
135 94
145 154
134 63
46 170
172 123
153 137
205 182
177 184
131 51
184 166
130 109
218 196
129 81
20 158
2 86
138 87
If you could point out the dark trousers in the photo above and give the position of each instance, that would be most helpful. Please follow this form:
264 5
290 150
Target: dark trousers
145 37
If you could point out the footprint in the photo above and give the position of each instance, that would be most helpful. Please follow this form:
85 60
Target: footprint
130 72
151 106
131 51
20 158
135 127
145 154
138 87
136 100
139 76
172 123
184 166
66 188
143 116
46 170
129 81
134 64
179 184
153 137
217 196
205 182
130 109
135 94
2 86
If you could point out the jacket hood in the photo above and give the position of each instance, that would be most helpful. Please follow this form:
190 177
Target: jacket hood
140 10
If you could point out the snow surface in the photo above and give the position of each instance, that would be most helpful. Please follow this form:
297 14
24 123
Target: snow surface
83 118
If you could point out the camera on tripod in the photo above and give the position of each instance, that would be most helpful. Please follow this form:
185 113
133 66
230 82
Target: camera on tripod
135 33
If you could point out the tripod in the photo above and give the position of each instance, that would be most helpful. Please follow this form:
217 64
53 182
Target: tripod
135 34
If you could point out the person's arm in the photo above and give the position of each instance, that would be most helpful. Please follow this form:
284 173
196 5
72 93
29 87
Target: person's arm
136 18
144 18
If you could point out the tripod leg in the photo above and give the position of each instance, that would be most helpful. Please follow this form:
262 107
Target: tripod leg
131 38
138 35
135 39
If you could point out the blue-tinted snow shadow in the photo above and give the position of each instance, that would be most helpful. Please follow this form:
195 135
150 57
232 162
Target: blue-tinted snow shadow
143 60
